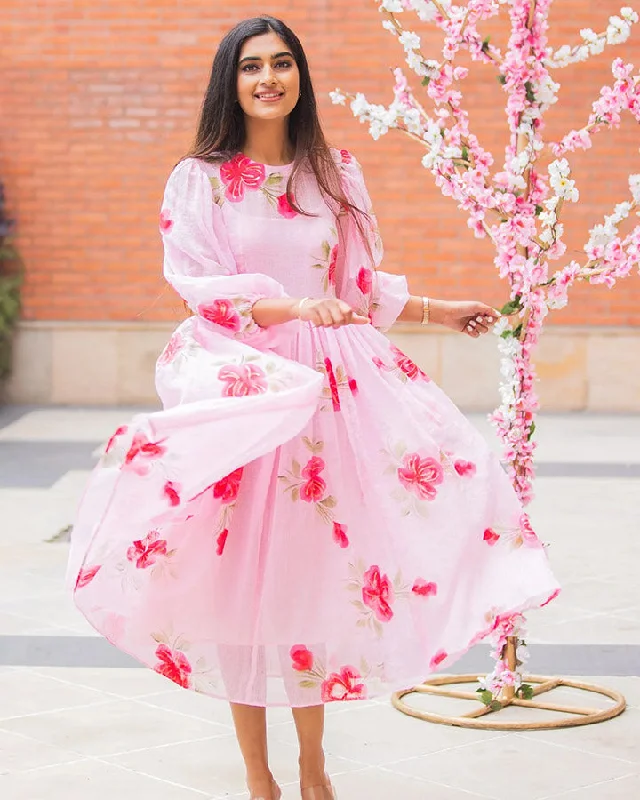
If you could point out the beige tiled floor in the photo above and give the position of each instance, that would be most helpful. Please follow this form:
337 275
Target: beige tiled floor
72 733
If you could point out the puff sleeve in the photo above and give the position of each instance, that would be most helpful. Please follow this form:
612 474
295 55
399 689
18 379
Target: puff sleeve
198 262
370 291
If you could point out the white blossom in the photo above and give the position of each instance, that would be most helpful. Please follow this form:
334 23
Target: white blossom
389 26
360 106
410 41
588 35
337 98
634 186
628 14
414 60
618 30
392 6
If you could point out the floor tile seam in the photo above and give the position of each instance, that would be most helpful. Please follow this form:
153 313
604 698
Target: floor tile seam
539 737
197 740
75 685
493 737
180 713
439 784
42 767
132 771
4 720
569 792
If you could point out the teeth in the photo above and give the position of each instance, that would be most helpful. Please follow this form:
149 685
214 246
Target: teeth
269 96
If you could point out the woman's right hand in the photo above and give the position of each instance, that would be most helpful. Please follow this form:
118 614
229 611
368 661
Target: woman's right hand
329 312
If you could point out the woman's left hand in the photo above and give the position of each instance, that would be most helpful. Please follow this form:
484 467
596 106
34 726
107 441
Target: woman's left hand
469 316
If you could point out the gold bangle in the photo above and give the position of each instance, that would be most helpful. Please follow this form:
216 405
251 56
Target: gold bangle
425 311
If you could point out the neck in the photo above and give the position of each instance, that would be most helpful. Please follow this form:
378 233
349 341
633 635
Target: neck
267 141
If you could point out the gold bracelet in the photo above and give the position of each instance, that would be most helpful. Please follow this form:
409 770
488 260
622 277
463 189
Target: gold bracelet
425 311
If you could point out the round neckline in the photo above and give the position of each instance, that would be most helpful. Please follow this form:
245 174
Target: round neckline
267 166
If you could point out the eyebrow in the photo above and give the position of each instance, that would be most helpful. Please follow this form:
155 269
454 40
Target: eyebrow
273 57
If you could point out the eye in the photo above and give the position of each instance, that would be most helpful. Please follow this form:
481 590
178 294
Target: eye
249 67
284 64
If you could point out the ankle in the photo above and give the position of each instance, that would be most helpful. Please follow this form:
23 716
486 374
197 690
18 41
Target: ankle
312 770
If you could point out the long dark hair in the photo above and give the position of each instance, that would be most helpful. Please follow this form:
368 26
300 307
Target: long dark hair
221 128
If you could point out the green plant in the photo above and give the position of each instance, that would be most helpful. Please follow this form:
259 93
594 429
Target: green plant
10 283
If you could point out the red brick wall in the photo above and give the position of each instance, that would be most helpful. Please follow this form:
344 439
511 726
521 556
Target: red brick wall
99 99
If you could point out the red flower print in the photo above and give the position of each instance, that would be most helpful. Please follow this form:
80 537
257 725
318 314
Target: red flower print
301 658
346 156
491 537
344 685
239 174
171 492
119 432
340 535
406 365
174 346
379 363
333 262
353 386
313 490
227 488
86 575
145 552
424 589
439 657
378 594
173 665
243 380
364 280
529 536
166 223
221 541
333 384
223 313
285 208
466 469
314 467
142 447
421 475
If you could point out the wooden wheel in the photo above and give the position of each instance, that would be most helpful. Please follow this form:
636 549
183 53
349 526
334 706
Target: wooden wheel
488 718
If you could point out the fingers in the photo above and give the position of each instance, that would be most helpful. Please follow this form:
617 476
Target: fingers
330 313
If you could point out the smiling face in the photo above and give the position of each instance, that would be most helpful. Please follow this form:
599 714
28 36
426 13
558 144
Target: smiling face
268 78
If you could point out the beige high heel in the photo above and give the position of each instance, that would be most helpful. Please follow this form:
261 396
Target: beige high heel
323 792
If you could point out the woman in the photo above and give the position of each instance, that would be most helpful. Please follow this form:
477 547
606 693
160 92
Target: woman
309 519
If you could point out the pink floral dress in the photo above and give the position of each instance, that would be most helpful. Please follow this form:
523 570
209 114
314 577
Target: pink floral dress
310 518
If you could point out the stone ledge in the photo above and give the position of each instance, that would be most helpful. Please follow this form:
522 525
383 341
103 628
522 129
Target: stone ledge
111 363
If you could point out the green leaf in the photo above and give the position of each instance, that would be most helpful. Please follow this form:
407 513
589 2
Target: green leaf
295 494
326 249
329 502
539 210
485 696
465 153
526 691
517 331
274 179
532 430
295 467
502 79
512 306
528 87
485 43
307 684
506 333
425 80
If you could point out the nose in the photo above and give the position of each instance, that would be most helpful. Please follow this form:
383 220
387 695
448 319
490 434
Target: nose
268 75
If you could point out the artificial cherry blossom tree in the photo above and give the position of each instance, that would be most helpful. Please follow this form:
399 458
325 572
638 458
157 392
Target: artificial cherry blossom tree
518 206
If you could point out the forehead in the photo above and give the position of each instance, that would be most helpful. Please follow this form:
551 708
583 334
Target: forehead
264 46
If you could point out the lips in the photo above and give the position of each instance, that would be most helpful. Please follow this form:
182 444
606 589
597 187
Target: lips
269 97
